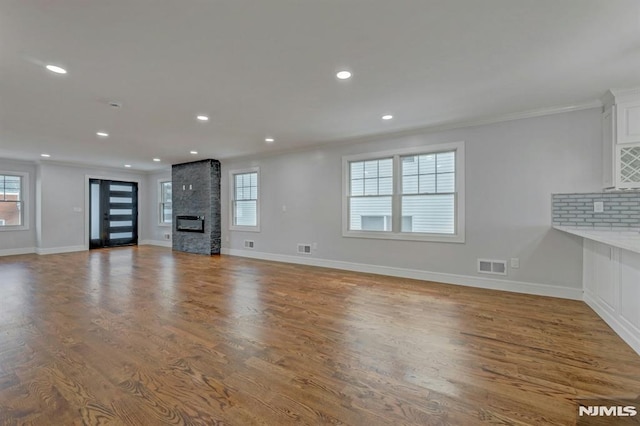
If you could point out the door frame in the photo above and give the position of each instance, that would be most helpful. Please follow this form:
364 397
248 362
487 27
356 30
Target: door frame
87 207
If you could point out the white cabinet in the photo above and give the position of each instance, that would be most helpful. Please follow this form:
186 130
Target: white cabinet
621 139
627 165
628 121
608 147
601 273
611 282
630 289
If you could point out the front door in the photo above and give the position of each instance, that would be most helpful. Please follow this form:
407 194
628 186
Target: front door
113 213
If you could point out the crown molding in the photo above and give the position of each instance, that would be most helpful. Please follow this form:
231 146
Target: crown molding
89 166
613 96
433 128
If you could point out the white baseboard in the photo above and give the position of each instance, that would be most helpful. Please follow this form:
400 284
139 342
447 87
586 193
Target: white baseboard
57 250
13 252
630 336
466 280
160 243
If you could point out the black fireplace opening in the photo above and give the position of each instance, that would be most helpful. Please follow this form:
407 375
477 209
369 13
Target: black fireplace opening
190 224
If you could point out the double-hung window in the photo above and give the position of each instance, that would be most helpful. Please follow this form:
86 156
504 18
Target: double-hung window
13 189
411 194
166 206
245 203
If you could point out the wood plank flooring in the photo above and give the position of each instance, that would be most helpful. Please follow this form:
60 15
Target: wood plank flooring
145 336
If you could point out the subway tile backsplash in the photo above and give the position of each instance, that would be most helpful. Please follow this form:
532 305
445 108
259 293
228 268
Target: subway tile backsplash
621 210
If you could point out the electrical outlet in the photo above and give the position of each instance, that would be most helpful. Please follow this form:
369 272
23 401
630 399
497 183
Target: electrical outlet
167 236
598 206
515 262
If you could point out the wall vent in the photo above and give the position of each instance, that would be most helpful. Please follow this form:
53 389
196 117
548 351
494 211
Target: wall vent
496 267
304 248
248 244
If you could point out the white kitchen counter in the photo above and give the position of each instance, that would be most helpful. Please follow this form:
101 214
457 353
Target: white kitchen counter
625 239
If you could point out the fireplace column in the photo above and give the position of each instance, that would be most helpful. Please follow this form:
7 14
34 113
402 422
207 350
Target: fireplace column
196 193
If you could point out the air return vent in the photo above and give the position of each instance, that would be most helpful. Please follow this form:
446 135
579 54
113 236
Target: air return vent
496 267
248 244
304 248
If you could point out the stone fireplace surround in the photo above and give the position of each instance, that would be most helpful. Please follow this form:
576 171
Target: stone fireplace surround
196 192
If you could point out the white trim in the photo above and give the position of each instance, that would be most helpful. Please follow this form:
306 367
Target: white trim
622 330
458 237
232 197
159 243
24 201
57 250
465 280
14 252
160 202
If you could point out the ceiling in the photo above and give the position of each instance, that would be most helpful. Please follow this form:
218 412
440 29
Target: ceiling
263 69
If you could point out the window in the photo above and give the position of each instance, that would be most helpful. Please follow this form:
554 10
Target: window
166 208
245 206
12 201
415 194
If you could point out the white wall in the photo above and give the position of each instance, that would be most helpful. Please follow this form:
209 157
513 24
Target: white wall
512 168
14 242
62 190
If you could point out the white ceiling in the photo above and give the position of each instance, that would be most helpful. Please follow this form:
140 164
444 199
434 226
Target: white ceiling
267 68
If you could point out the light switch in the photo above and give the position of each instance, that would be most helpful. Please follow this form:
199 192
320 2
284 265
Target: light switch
598 206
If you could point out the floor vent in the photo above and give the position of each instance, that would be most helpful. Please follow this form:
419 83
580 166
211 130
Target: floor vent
304 248
496 267
248 244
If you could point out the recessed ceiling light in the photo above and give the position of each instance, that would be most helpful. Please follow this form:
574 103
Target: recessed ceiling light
343 75
102 134
45 155
269 140
202 118
387 117
56 69
127 165
193 152
156 159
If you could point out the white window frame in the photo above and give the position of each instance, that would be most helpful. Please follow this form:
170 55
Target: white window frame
232 198
457 237
160 203
24 197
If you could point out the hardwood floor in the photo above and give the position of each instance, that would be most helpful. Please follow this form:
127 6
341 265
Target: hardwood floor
144 336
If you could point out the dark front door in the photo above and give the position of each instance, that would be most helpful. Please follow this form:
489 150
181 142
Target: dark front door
113 213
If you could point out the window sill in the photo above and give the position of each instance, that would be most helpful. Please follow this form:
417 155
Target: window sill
13 228
165 225
245 228
434 238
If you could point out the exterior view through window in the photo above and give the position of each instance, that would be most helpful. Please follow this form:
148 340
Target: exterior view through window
415 195
11 201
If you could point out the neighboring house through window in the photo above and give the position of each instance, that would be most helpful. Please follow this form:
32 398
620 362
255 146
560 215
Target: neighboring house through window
12 200
166 208
411 194
245 203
